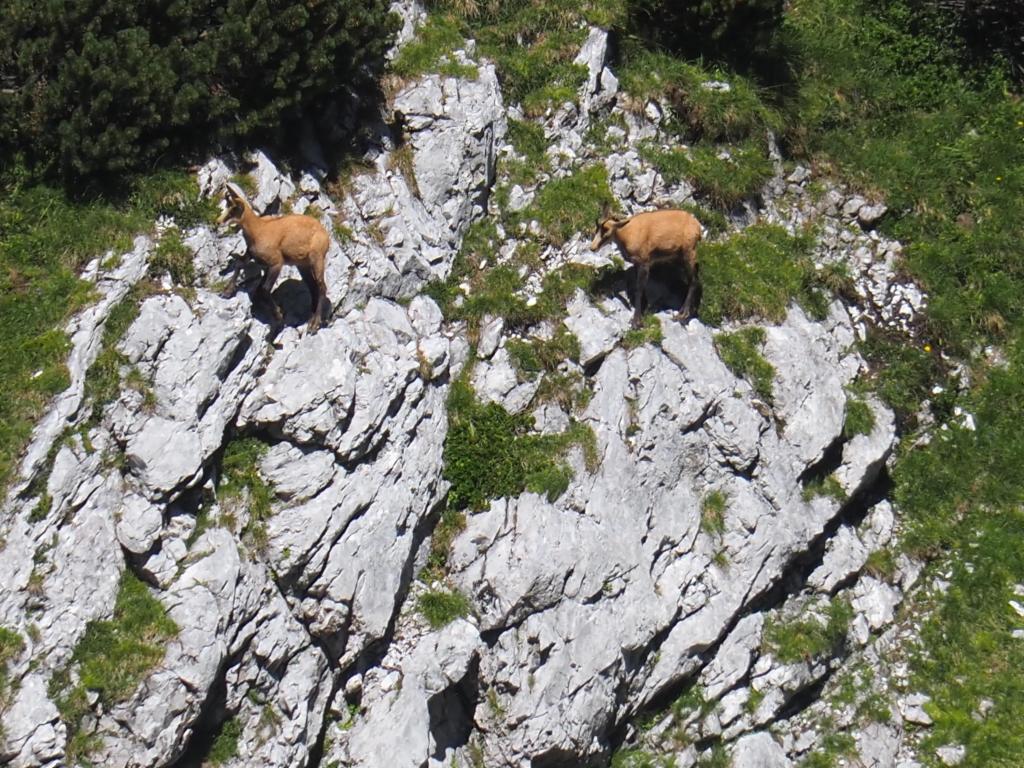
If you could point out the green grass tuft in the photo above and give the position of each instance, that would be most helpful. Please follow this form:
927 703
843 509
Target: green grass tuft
538 356
11 646
739 352
431 50
757 274
225 744
103 379
712 512
699 113
806 639
175 258
441 607
46 238
529 140
112 657
490 453
570 205
241 479
860 419
828 487
649 333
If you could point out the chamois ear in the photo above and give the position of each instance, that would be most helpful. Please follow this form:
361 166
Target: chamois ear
233 193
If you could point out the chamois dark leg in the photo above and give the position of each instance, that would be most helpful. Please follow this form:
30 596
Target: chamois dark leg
643 271
316 297
264 293
234 269
692 294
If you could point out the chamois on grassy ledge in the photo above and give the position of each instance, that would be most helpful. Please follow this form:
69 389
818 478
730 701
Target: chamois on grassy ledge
655 237
274 241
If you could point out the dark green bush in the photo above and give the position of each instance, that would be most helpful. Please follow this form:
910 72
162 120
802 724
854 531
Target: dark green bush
109 86
987 27
738 31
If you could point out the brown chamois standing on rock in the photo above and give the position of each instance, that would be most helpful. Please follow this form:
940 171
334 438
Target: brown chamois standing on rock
655 237
274 241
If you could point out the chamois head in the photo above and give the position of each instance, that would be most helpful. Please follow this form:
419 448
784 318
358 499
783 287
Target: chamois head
606 227
235 204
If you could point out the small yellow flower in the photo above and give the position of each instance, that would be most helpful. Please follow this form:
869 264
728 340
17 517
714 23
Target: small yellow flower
927 347
999 178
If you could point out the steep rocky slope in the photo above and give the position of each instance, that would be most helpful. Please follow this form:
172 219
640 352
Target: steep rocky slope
298 631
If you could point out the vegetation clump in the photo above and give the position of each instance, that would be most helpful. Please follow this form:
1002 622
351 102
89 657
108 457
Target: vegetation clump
739 352
757 273
225 743
712 512
859 420
490 453
440 607
432 49
532 358
570 205
173 257
11 646
796 640
241 479
112 658
102 91
829 487
534 45
649 333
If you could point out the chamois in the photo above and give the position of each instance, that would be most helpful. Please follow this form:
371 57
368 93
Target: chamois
274 241
655 237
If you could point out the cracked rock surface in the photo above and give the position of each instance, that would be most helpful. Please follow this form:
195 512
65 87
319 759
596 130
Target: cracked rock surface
588 610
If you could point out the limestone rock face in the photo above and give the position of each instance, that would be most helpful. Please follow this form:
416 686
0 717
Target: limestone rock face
298 601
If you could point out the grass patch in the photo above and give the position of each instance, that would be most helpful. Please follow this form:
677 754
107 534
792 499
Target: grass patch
11 646
724 176
451 524
902 375
533 44
649 333
103 379
490 453
570 205
225 743
796 640
834 748
241 480
712 512
112 658
739 352
529 140
828 487
757 273
637 757
859 420
173 257
537 356
441 607
403 159
728 177
46 238
498 290
700 113
431 50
